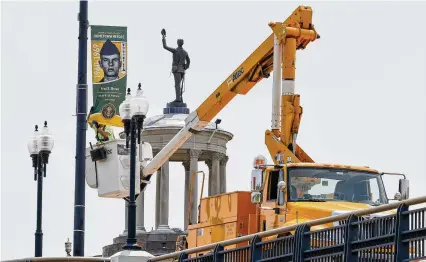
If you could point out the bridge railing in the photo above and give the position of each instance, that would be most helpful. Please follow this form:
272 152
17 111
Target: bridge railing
60 259
354 237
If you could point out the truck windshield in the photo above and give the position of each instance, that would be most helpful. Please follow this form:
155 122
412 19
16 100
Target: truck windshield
329 184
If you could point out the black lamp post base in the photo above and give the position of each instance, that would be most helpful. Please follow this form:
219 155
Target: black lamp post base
38 244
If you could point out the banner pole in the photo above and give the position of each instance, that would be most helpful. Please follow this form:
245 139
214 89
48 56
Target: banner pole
80 161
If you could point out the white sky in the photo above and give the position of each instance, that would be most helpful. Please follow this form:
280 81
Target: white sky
362 88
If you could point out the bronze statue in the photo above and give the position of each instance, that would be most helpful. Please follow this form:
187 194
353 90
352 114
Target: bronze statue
180 64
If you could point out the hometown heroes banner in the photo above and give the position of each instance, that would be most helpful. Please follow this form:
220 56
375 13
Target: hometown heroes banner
109 73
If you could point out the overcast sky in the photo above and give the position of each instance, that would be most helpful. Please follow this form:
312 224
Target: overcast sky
362 88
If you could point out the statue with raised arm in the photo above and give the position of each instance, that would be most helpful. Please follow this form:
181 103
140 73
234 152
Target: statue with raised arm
180 64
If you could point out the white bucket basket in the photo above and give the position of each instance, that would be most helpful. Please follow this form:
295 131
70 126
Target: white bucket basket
111 176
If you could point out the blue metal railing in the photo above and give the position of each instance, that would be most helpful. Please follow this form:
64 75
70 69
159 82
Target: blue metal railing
354 237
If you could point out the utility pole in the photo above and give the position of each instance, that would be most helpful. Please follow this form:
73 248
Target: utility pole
81 111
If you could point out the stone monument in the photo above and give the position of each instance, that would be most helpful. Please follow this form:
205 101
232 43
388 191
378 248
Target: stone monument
208 146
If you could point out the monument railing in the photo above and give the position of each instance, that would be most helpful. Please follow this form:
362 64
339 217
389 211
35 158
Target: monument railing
355 236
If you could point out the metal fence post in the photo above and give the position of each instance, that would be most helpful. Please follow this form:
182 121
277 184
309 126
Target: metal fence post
256 250
302 243
402 249
217 257
350 235
182 257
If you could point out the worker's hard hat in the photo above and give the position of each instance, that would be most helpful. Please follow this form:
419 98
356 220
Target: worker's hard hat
259 160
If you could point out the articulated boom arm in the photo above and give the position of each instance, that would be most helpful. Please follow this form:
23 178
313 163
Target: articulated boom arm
255 68
281 140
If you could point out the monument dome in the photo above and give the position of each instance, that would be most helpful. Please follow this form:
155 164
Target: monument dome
175 121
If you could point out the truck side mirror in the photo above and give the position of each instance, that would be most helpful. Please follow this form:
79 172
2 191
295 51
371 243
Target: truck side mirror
404 189
398 196
256 197
281 186
256 180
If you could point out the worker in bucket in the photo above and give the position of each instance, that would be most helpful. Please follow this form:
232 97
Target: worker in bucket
103 132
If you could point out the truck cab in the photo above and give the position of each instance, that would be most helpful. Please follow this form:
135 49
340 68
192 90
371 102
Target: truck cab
294 193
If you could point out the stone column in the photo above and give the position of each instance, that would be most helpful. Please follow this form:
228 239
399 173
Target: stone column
193 167
209 165
223 163
215 188
157 198
140 201
164 198
186 194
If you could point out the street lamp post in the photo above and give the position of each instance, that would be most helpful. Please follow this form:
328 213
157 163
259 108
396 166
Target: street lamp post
133 112
40 146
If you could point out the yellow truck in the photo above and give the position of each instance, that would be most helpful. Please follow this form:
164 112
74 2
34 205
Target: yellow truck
294 189
283 195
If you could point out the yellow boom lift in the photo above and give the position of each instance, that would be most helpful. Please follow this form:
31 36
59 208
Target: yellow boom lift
283 193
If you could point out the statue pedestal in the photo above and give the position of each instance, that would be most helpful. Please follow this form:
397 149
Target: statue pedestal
176 108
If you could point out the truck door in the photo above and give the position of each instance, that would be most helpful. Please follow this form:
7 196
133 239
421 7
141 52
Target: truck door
274 201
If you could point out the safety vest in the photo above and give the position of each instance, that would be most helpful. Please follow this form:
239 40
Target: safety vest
100 137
